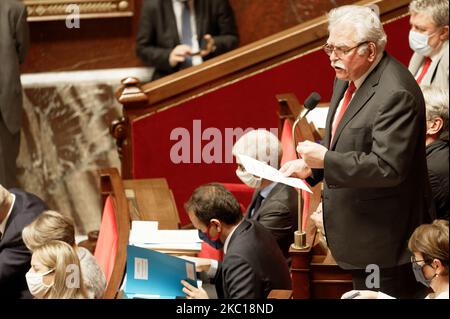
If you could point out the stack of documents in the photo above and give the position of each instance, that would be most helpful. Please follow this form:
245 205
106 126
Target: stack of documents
146 234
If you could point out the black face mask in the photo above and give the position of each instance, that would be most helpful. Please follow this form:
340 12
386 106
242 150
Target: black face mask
217 244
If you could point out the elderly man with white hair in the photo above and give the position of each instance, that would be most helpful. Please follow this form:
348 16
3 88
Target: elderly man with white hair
372 158
17 210
274 205
428 38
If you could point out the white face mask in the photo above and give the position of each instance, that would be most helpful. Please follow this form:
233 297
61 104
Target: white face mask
419 43
249 179
36 285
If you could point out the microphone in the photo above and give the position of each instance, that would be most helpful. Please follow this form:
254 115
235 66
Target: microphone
310 103
300 235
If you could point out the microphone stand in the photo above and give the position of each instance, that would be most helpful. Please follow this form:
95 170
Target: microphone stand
300 234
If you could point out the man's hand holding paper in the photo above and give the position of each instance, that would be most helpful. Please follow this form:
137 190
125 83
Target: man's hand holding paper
265 171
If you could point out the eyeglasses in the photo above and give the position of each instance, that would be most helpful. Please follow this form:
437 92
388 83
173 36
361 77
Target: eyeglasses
415 261
340 51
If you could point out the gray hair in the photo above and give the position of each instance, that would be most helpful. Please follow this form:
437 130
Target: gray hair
436 102
261 145
366 23
437 9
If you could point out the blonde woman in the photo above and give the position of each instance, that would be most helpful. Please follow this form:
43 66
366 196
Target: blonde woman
55 272
429 245
51 225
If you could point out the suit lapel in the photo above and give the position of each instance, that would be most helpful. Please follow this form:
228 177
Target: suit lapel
252 202
338 93
200 18
416 62
171 20
432 72
266 200
362 95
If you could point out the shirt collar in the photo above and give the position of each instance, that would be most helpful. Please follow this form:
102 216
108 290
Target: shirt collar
360 81
3 223
227 240
266 190
439 54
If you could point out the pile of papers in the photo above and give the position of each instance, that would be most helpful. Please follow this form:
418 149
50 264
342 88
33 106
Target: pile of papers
146 234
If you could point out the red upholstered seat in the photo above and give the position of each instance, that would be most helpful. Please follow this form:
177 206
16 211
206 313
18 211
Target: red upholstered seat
243 194
106 249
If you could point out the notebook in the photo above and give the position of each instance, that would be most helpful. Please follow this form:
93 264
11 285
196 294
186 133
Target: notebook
151 274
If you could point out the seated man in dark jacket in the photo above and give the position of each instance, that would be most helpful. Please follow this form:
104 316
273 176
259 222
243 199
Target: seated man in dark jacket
17 210
274 205
253 264
436 102
176 34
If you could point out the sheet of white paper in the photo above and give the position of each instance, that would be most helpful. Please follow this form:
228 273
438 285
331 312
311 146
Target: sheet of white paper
176 236
177 239
140 230
171 246
263 170
318 116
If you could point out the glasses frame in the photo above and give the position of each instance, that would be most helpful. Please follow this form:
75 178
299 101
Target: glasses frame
414 261
338 51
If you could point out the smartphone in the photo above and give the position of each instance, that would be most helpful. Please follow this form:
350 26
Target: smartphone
202 46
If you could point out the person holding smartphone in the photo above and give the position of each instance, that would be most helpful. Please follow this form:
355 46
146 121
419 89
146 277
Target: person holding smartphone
177 34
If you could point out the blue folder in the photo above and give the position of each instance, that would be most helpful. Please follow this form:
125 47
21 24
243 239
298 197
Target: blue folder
151 274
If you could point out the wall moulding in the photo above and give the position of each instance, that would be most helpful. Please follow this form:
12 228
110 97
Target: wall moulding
49 10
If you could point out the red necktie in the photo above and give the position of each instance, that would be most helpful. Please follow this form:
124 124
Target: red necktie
425 68
347 97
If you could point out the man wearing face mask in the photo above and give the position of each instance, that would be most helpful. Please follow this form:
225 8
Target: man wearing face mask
274 205
372 158
429 40
17 210
253 265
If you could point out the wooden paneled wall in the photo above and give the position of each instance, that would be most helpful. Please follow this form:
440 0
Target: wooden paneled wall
110 42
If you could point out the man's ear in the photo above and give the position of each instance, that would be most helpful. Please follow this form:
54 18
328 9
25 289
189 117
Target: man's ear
218 225
444 34
372 51
436 126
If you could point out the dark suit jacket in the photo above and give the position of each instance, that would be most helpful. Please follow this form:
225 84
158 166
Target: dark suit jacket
14 255
437 160
376 188
253 264
13 49
158 34
278 214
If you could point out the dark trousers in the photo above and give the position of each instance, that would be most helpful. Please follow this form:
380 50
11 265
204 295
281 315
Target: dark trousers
398 282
